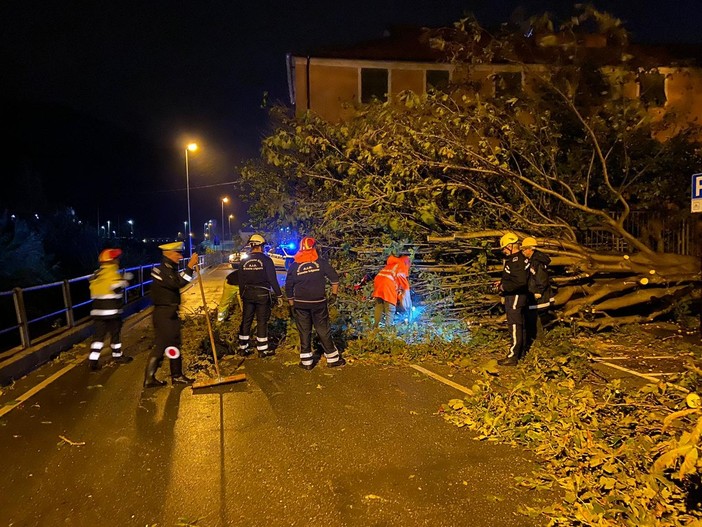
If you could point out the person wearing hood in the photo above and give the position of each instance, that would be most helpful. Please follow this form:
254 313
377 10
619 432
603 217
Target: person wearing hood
107 287
391 285
305 287
540 293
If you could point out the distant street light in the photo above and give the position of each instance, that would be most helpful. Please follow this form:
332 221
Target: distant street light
131 227
108 228
224 200
190 148
185 229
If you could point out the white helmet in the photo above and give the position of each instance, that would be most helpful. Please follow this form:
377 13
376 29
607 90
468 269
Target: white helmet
256 239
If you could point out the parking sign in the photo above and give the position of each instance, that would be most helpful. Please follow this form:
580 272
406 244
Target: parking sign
696 202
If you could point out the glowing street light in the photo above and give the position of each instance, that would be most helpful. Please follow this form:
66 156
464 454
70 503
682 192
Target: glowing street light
190 148
224 200
131 226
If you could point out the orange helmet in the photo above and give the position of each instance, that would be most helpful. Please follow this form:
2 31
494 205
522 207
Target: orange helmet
307 243
109 254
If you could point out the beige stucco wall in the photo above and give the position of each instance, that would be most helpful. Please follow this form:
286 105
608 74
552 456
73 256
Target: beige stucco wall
401 80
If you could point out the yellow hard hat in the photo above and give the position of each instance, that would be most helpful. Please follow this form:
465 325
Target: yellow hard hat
529 242
256 239
173 246
508 239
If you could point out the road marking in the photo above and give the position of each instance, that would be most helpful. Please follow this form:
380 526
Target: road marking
636 357
35 389
439 378
649 378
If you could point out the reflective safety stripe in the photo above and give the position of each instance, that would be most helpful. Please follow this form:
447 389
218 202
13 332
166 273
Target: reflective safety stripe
332 357
104 312
262 347
94 355
516 299
186 276
116 354
304 356
116 346
97 345
307 362
543 305
262 343
111 296
514 341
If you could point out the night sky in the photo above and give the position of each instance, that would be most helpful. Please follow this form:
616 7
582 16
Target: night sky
99 98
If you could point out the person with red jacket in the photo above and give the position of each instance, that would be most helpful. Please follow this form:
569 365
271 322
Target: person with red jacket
391 285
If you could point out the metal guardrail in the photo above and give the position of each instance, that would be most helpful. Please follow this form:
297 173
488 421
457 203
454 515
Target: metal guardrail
45 311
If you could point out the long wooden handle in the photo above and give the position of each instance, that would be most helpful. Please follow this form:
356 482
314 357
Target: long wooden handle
207 317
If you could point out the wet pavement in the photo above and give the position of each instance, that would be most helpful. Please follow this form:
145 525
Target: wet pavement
360 445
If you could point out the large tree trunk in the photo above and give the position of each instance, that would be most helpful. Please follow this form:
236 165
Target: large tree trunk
595 290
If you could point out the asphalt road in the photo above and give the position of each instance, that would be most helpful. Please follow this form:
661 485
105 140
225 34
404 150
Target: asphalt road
360 445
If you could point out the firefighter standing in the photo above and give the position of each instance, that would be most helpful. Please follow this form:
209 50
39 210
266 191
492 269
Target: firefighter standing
305 287
539 285
259 289
513 286
107 287
165 294
388 286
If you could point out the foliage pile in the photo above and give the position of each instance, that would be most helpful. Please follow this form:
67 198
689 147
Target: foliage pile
620 456
570 154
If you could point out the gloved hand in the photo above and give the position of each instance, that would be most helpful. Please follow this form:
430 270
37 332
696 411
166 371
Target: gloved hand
537 296
332 299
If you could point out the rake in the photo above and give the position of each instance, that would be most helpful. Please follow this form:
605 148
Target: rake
219 380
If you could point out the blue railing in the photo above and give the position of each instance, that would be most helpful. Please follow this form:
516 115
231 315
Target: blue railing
45 311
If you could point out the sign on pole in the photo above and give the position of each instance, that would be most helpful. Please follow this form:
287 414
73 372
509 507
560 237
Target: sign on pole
696 192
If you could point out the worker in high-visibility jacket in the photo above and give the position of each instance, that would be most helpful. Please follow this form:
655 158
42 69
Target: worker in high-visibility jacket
230 296
391 285
107 287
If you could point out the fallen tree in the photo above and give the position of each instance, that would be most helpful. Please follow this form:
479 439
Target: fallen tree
446 173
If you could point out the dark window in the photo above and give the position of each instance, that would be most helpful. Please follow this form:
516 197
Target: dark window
508 84
437 79
652 89
374 84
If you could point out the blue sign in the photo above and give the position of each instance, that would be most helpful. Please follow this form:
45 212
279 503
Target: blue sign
696 203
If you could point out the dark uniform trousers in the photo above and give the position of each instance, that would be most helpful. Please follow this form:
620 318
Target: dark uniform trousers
515 309
167 329
106 326
537 315
257 304
317 317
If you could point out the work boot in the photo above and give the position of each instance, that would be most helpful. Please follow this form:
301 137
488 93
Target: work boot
266 354
94 365
177 376
244 352
150 380
181 379
306 366
336 364
508 361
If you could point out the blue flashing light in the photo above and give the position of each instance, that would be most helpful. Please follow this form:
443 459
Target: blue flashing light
292 245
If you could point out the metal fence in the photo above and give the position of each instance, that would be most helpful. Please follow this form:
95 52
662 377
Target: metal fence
678 236
34 314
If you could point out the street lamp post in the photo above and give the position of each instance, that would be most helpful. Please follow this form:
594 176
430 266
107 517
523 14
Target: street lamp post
224 200
231 217
190 148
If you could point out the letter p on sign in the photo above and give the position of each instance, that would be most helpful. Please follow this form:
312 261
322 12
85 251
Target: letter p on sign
696 203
